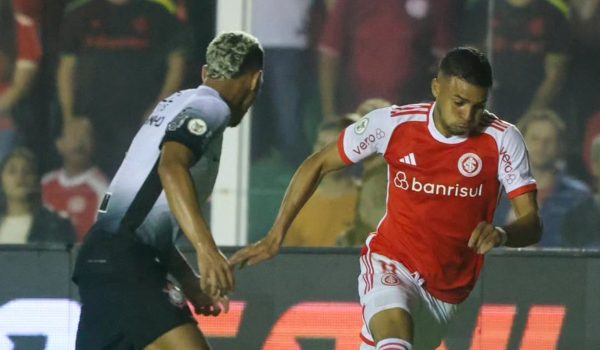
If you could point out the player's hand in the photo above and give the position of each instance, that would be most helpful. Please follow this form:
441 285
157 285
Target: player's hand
484 238
260 251
205 304
216 277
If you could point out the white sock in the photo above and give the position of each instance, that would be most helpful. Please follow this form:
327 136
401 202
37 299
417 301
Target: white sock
393 344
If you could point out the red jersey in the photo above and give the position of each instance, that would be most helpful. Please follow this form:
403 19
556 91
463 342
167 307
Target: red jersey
77 198
439 189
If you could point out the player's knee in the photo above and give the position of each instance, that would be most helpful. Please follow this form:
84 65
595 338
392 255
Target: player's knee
393 323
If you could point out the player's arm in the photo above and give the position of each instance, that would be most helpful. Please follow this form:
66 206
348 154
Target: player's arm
175 162
328 78
524 231
527 227
66 83
303 184
24 74
555 73
174 75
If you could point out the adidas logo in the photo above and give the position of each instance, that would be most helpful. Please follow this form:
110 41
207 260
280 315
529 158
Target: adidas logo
409 159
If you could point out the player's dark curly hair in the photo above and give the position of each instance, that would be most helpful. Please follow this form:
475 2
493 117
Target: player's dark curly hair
469 64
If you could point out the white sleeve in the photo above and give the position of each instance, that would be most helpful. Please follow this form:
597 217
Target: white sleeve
514 172
371 134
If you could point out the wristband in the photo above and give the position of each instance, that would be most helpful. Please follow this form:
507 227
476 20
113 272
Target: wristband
503 236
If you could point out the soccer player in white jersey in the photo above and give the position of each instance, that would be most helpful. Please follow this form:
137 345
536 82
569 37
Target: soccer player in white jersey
166 176
447 162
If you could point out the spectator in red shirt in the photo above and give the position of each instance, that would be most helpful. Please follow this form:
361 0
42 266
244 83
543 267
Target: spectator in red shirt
20 53
75 190
380 49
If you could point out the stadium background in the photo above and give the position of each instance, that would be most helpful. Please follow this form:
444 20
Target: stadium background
305 299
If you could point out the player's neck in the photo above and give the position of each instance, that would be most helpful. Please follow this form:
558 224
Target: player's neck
72 170
438 124
230 91
17 207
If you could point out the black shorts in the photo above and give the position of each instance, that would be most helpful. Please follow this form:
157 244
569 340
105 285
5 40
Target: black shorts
126 302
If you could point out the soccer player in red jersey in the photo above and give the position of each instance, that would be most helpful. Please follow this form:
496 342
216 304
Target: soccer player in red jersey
447 162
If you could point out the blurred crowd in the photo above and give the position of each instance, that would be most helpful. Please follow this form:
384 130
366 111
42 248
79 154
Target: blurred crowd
77 78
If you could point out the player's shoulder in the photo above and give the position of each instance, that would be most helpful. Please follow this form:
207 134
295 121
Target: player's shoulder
51 176
395 114
208 104
411 112
496 127
202 103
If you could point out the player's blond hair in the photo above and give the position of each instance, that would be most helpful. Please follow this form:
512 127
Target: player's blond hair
231 54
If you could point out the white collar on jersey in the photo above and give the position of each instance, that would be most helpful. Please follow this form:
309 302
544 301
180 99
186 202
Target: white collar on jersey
76 180
209 90
436 134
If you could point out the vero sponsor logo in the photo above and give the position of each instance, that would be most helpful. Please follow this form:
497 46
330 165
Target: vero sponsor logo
369 140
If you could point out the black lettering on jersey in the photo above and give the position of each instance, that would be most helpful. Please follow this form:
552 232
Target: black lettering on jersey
155 120
104 205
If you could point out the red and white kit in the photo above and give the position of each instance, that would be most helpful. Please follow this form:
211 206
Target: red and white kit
439 189
77 198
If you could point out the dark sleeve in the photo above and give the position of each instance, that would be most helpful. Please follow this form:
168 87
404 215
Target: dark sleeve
558 32
193 129
71 32
49 227
172 35
473 30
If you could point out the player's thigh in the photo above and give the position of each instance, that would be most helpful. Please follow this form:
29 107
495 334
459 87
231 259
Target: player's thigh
389 297
392 323
186 336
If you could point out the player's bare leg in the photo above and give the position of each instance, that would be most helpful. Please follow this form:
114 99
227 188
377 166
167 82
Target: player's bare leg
186 336
392 324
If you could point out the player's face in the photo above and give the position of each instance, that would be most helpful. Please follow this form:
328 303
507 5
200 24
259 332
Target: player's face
596 169
459 105
18 178
542 142
76 145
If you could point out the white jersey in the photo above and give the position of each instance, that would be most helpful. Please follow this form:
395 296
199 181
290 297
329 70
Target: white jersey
135 200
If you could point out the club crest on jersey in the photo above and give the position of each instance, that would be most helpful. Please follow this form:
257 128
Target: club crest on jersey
389 279
361 126
197 126
469 164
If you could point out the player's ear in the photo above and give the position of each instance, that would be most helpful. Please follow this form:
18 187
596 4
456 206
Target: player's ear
435 87
256 80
